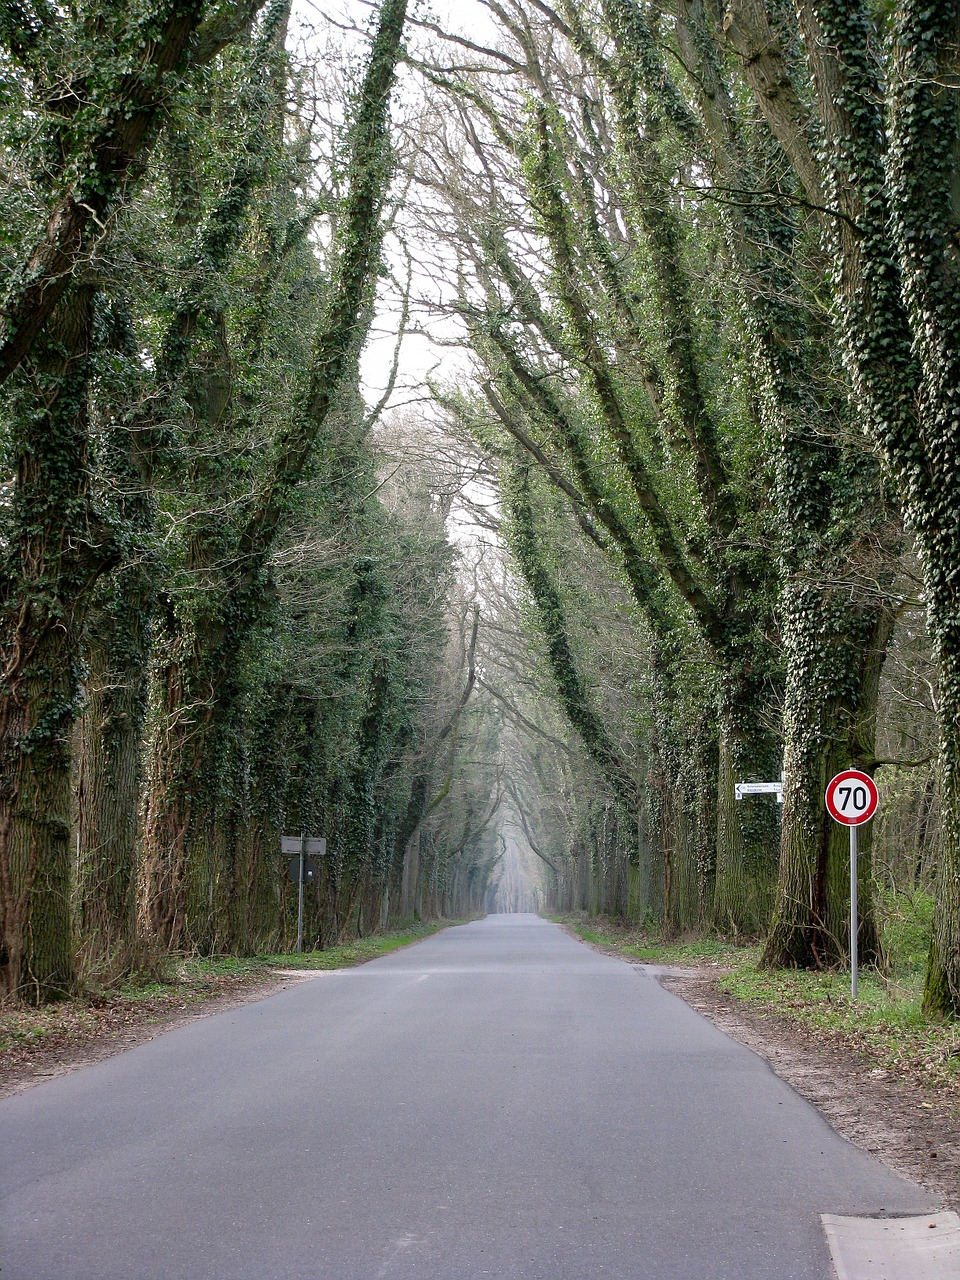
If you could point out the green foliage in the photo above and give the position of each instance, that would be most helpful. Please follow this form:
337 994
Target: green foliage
886 1028
687 380
261 630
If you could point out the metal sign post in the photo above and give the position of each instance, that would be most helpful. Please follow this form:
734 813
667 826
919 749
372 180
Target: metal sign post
854 912
852 798
302 869
300 901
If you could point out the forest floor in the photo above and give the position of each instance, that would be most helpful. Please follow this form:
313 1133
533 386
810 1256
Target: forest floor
38 1044
879 1093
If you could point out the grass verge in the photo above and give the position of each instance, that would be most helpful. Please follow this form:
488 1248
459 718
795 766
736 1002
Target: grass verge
643 944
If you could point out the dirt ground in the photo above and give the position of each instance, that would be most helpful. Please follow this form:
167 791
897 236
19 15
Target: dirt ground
911 1128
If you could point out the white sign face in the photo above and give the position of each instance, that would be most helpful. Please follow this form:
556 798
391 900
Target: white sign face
742 789
852 797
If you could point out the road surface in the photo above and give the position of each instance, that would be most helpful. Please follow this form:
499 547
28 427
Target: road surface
498 1100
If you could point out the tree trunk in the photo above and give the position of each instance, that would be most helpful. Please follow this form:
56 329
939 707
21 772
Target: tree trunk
924 174
748 830
411 875
175 756
46 578
109 780
38 938
835 652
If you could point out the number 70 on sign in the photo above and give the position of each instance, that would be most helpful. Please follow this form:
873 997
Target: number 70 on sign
852 797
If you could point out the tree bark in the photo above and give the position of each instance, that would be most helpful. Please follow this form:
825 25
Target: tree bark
47 576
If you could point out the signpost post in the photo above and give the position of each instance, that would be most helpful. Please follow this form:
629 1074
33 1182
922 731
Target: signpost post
301 868
852 798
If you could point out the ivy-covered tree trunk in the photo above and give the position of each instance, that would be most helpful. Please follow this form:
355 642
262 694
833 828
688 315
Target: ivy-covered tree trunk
176 756
38 961
827 489
55 548
682 774
254 875
923 165
109 773
727 593
194 687
410 891
188 839
48 570
894 182
835 654
747 831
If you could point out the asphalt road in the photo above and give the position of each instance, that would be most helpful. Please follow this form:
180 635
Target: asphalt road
498 1100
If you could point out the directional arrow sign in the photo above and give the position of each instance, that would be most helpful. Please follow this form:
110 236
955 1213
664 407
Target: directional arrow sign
757 789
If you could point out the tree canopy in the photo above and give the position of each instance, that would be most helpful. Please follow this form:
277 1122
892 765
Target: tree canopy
674 507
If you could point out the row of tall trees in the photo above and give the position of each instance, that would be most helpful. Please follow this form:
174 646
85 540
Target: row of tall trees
705 264
702 260
220 619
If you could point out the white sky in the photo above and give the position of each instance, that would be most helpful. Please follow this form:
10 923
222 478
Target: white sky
419 358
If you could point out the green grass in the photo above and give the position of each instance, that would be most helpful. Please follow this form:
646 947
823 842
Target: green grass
196 971
884 1025
351 953
905 921
645 944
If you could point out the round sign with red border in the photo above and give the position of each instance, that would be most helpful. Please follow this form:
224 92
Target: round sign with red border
852 797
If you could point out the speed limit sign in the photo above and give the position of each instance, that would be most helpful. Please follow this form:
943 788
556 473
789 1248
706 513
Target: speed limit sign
852 797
